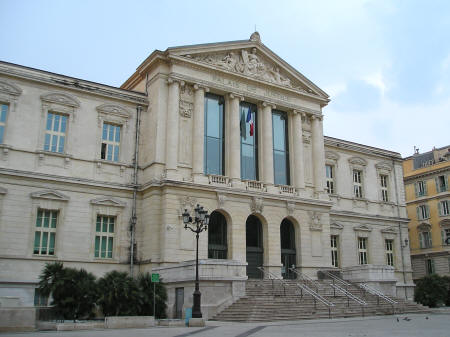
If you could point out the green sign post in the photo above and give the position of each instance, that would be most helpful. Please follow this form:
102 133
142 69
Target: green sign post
155 279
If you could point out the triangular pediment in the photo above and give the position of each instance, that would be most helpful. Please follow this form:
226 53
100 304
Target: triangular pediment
363 228
107 202
251 59
49 194
389 230
335 225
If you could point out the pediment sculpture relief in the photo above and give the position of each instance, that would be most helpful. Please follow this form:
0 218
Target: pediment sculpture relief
251 64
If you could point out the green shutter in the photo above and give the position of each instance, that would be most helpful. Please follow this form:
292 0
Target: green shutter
436 180
446 182
440 208
443 237
37 242
421 245
51 248
427 209
418 213
416 189
97 246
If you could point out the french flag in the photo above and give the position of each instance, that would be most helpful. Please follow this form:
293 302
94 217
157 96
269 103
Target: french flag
249 120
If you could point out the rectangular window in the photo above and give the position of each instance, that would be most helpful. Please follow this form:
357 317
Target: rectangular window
104 236
249 142
334 251
384 187
362 250
280 148
55 132
39 299
441 183
429 266
3 115
444 208
214 135
389 245
423 212
445 233
421 188
425 240
329 170
45 232
357 184
110 142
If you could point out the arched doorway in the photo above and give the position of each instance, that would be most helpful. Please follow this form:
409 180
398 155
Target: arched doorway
254 241
217 236
288 252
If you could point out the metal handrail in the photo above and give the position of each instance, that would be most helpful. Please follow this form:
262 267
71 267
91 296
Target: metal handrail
273 277
306 278
376 292
335 278
349 294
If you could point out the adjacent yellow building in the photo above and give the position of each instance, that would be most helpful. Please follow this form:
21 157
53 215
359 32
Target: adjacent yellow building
426 177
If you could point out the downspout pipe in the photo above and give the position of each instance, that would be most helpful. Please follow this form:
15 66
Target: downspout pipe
400 230
133 219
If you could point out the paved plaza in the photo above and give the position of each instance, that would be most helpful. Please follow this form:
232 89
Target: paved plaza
423 325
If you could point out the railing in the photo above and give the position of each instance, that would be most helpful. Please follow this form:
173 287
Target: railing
315 294
254 185
218 180
273 277
286 189
379 295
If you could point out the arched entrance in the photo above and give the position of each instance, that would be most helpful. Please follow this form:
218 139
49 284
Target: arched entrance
254 241
288 252
217 236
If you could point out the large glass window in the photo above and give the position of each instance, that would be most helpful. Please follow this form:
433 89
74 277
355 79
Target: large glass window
362 250
3 113
280 148
214 135
55 132
104 236
249 141
110 142
45 232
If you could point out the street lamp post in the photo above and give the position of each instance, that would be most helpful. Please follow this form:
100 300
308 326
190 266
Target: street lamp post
196 225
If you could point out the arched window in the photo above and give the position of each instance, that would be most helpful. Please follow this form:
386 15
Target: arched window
288 252
254 241
217 236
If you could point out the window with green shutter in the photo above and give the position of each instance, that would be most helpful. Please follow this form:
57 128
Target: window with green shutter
423 212
441 183
421 188
45 232
104 236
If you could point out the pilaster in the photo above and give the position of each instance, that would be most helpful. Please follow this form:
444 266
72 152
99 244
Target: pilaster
318 153
299 173
198 134
267 143
172 128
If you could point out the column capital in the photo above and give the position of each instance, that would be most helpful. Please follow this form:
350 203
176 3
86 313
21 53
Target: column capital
232 95
318 117
265 104
172 80
198 86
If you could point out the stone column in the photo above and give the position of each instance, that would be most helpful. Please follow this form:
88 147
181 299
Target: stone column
235 140
267 142
299 170
318 154
198 129
173 106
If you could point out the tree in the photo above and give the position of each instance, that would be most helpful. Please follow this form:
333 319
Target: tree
74 292
431 290
119 294
146 289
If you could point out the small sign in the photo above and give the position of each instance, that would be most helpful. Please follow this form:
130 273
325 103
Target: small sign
155 278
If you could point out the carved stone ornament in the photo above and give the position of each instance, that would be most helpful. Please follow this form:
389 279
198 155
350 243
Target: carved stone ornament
114 109
362 228
9 88
249 63
306 138
256 206
386 166
315 224
186 108
187 203
357 161
61 98
424 227
110 202
290 208
49 194
331 155
389 230
335 225
221 199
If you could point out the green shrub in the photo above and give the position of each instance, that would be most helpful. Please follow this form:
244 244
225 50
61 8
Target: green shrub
119 294
447 280
431 291
146 288
74 292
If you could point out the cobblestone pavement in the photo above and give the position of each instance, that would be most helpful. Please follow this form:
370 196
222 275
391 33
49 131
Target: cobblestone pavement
420 325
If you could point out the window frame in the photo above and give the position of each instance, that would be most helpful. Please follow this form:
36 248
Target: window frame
335 259
425 241
384 187
423 212
113 144
421 188
48 230
223 140
358 191
330 181
9 94
389 252
4 122
441 186
62 120
363 252
430 267
243 106
105 234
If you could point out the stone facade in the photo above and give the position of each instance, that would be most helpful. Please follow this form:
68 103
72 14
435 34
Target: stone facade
160 112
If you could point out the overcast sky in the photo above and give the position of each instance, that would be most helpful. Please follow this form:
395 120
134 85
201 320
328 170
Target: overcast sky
385 64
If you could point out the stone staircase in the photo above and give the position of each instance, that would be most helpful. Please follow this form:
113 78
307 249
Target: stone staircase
273 300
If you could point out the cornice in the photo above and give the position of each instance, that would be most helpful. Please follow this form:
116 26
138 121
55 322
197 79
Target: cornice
367 216
421 200
426 174
66 82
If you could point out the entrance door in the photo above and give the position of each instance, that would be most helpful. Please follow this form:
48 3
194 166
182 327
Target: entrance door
255 252
288 253
179 302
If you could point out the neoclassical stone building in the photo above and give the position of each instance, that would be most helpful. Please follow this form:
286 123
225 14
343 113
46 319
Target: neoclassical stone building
98 177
